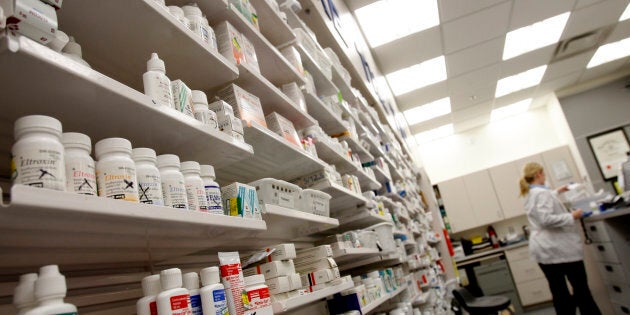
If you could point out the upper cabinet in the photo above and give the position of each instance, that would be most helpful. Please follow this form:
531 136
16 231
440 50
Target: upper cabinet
560 167
483 198
505 178
457 205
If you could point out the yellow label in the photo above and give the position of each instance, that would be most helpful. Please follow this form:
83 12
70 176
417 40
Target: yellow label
234 207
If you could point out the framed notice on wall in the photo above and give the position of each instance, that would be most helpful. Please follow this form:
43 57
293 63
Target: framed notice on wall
609 149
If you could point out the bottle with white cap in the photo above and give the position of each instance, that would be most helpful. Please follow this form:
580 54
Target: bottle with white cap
173 184
115 170
258 297
38 155
195 191
212 37
24 293
59 42
50 289
213 190
149 183
191 283
173 300
156 84
73 51
80 168
202 112
178 13
151 287
195 22
212 293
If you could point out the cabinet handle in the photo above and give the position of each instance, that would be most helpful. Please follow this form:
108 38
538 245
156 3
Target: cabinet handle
617 289
601 248
609 269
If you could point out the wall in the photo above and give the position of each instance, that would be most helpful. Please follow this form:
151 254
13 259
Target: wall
594 111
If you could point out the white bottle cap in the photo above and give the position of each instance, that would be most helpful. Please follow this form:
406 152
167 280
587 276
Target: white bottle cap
191 10
155 63
210 276
110 145
151 285
59 42
207 171
36 123
254 280
191 280
176 11
143 154
190 166
50 283
166 160
199 97
76 140
73 48
24 294
171 279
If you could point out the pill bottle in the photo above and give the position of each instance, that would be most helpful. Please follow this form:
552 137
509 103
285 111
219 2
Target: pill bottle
212 293
173 300
202 112
259 299
115 170
196 22
195 191
156 84
149 183
50 289
73 51
151 287
213 190
173 184
80 167
191 283
24 293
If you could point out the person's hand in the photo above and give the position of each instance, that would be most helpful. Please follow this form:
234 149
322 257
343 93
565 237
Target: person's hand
577 214
563 188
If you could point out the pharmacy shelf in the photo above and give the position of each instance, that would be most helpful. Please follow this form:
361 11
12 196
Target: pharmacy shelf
410 243
343 164
351 220
395 197
40 226
330 122
343 256
382 261
381 177
374 304
342 197
293 303
356 147
288 224
393 169
375 147
421 298
323 84
275 157
271 24
122 49
92 103
344 87
272 99
367 182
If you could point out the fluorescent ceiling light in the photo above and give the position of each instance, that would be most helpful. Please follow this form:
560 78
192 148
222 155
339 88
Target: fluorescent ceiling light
429 111
520 81
434 134
626 14
417 76
534 36
387 20
609 52
510 110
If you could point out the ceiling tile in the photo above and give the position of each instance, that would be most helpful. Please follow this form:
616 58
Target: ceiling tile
476 28
603 69
409 50
567 66
422 96
486 53
461 126
593 17
621 31
559 83
529 11
451 9
527 61
481 95
514 97
471 81
430 124
585 3
472 111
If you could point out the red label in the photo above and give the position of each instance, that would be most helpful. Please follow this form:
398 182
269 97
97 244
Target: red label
230 270
153 308
258 269
424 278
180 301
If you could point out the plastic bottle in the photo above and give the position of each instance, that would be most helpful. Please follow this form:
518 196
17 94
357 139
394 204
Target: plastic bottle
212 37
50 289
156 84
196 22
212 293
258 296
80 168
59 42
191 283
38 155
149 183
73 51
492 234
173 184
178 13
24 293
213 190
195 191
151 287
115 170
202 112
626 173
174 300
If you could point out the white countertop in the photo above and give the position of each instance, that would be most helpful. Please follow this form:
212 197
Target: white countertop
492 252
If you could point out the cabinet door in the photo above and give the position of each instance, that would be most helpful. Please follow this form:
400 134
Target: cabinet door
505 179
560 167
483 198
456 204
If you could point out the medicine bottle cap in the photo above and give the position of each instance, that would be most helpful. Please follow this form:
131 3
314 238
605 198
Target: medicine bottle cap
111 145
50 283
254 280
171 279
151 285
59 42
190 166
166 160
191 10
199 97
24 294
176 11
207 171
36 123
155 63
143 154
76 140
73 48
210 276
191 281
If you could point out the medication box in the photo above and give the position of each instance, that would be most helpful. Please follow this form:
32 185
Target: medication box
221 108
326 263
31 18
246 106
279 284
305 256
295 281
251 60
315 202
229 42
240 200
182 98
272 269
283 127
281 252
277 192
287 295
320 276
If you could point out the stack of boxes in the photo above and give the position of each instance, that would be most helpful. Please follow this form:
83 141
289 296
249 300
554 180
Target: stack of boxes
240 200
279 271
227 121
284 128
236 47
246 106
34 19
317 267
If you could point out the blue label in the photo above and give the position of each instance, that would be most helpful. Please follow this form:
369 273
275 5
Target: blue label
220 304
218 295
195 304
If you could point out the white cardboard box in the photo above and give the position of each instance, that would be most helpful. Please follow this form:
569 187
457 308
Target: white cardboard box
326 263
272 269
308 255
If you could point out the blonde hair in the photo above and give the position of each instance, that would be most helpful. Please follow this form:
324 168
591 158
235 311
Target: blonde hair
529 174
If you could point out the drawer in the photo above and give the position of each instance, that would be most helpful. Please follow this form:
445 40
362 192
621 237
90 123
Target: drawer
621 309
605 252
525 270
614 273
521 253
619 293
498 281
534 292
597 231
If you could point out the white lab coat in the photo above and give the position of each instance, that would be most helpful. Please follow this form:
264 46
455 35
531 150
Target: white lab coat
554 236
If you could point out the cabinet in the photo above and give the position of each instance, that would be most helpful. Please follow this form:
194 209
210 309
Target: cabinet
530 281
505 179
460 213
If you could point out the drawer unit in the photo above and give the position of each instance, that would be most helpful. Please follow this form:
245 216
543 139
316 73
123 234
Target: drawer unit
525 270
534 292
597 231
521 253
605 252
612 272
621 309
619 293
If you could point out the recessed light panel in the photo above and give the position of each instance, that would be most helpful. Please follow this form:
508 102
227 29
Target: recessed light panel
532 37
417 76
429 111
520 81
510 110
434 134
610 52
626 14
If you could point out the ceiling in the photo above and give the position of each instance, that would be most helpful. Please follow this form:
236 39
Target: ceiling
471 36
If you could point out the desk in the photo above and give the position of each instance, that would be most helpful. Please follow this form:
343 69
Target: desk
490 254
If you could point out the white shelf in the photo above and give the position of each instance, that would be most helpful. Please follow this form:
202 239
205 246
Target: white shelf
275 157
330 122
323 85
293 303
142 27
350 220
395 197
381 177
380 260
42 226
372 306
396 175
375 147
327 154
288 224
87 101
410 243
342 197
346 255
367 182
344 87
364 155
271 24
422 298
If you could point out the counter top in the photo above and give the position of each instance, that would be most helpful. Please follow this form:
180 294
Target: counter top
493 253
609 214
